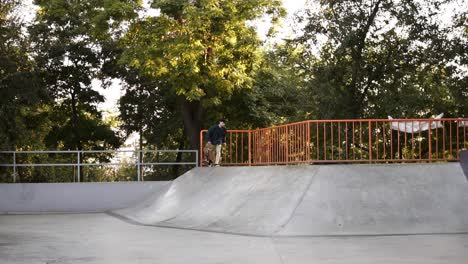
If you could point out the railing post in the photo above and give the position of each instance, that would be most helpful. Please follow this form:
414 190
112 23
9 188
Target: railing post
14 167
138 156
249 149
429 140
287 145
196 159
370 140
79 165
309 158
201 149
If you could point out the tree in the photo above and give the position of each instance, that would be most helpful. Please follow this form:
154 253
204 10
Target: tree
378 57
68 38
279 86
203 51
459 80
145 109
21 96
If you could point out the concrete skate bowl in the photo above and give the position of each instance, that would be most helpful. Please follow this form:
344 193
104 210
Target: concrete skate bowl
318 200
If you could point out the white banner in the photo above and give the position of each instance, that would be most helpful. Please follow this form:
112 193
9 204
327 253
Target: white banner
462 123
416 126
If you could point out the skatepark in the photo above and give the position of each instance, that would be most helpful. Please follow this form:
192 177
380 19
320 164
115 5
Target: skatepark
212 132
352 213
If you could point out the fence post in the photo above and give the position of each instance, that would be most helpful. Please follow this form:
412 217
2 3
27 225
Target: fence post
14 167
249 149
369 126
309 158
196 159
79 165
138 165
287 144
201 149
429 140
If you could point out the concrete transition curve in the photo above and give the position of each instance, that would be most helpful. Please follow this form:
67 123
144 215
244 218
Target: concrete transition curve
317 200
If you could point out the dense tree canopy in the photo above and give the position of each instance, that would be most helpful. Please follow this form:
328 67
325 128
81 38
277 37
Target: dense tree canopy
68 39
203 50
21 94
379 57
188 63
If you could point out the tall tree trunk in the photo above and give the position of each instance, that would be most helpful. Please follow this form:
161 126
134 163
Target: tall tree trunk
192 113
356 102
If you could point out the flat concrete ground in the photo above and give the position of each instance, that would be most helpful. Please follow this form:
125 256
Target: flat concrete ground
100 238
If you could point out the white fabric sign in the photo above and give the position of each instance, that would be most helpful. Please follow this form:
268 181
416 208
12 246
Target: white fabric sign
462 123
416 126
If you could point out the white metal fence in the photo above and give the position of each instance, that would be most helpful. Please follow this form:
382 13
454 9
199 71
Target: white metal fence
138 159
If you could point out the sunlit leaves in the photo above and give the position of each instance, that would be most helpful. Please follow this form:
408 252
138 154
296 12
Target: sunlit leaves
202 48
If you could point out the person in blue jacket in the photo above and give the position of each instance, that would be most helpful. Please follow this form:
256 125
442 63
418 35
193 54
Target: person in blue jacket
216 138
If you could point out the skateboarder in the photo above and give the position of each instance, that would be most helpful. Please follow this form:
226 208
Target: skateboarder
216 138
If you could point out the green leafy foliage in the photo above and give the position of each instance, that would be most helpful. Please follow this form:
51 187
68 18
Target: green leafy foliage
68 38
379 58
203 51
21 95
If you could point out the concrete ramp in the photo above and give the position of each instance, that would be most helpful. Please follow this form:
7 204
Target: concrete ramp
256 200
313 200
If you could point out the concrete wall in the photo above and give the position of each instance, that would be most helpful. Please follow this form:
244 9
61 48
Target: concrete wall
74 197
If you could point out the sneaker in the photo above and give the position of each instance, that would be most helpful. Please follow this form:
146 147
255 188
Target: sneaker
216 165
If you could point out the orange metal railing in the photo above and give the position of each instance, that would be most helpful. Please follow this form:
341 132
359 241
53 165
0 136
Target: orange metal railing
347 141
